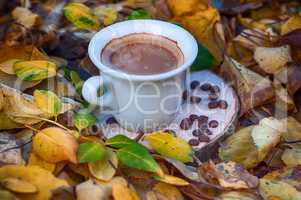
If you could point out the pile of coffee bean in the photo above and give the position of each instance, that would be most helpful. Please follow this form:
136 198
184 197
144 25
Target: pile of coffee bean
202 133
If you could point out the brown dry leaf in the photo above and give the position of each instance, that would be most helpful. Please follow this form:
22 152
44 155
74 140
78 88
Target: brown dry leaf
252 88
252 24
200 19
291 24
36 160
55 145
291 77
168 191
250 39
292 157
271 60
19 186
25 17
293 130
233 175
40 178
282 184
14 156
283 101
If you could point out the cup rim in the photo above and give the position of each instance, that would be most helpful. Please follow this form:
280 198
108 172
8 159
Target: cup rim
107 34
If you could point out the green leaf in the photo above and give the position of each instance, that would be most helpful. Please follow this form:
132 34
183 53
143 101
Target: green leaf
119 141
136 156
170 146
74 77
204 59
47 101
83 119
139 14
91 152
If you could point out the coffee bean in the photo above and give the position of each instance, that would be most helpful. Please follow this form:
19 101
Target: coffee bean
196 132
185 95
194 84
202 119
213 124
213 104
194 142
206 87
195 99
111 120
208 132
204 138
203 126
214 89
193 117
185 124
223 104
213 96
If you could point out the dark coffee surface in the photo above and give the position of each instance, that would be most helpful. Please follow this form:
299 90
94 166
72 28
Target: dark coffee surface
143 54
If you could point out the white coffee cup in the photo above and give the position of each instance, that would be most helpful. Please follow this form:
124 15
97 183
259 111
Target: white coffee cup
140 102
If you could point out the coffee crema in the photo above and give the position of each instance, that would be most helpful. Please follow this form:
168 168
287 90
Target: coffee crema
142 54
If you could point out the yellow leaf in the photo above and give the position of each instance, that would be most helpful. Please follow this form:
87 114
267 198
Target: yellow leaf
172 180
8 66
55 145
200 19
168 191
42 179
48 102
35 70
36 160
121 191
170 146
109 15
18 185
6 195
81 16
103 169
291 24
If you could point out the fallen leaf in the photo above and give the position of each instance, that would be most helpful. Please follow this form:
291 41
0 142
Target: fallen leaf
121 191
35 70
83 119
266 135
136 156
35 160
119 141
240 148
25 17
139 14
168 145
173 180
292 157
252 88
168 191
14 156
234 176
291 24
6 195
55 145
292 38
103 169
91 191
237 196
91 152
108 14
8 66
281 56
48 102
18 185
81 16
40 178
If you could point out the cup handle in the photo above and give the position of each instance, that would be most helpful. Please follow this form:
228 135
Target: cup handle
90 93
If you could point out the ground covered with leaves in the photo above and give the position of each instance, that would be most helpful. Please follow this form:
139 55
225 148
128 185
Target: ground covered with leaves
52 147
